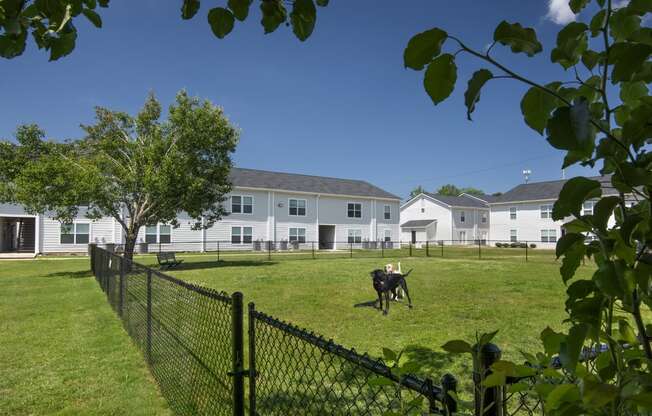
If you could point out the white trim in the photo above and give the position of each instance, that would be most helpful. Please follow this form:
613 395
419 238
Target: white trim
17 216
390 212
287 191
74 232
298 235
242 197
297 214
242 234
348 231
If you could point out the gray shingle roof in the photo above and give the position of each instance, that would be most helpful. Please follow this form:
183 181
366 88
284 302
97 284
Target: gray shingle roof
417 223
253 178
535 191
485 197
458 201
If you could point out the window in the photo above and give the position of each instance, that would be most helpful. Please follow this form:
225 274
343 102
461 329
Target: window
158 234
354 210
462 236
297 207
483 218
164 232
76 233
298 234
513 236
242 204
355 236
388 236
423 210
241 235
387 213
150 234
512 213
462 216
588 208
548 236
546 211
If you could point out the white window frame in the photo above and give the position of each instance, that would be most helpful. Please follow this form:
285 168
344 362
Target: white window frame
158 234
305 207
74 233
388 236
588 211
297 235
513 213
462 216
545 211
242 234
354 204
387 212
357 234
549 235
513 236
242 204
483 217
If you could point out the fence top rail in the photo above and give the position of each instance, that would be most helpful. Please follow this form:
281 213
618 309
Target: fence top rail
204 291
377 366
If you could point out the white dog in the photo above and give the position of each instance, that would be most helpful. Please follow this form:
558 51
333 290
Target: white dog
389 269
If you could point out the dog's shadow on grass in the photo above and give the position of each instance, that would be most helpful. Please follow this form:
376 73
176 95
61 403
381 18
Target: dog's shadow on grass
369 304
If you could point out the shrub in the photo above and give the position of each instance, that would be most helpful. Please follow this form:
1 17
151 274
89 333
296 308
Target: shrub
499 245
513 245
533 245
522 245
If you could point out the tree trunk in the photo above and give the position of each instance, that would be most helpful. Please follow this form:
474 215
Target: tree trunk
130 244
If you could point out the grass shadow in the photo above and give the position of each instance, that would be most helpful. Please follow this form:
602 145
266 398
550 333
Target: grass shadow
79 274
197 265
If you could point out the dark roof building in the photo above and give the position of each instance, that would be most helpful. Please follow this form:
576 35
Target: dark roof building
253 178
549 190
462 201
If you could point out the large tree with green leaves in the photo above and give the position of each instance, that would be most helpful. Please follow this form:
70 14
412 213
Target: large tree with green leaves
452 190
601 115
139 170
52 22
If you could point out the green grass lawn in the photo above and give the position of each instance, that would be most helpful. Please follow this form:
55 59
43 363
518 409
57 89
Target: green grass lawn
62 349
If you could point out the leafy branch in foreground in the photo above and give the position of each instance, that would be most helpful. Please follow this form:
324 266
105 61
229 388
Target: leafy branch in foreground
608 57
52 22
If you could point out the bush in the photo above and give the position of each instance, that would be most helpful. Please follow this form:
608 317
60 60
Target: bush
513 245
523 245
533 245
499 245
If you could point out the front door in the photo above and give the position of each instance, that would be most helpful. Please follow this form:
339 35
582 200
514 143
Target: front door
414 237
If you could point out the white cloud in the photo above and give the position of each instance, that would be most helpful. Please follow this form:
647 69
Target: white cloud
559 12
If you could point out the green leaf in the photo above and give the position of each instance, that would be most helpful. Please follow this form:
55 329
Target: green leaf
322 3
622 24
551 340
570 349
573 194
606 279
640 6
642 399
423 48
628 59
572 41
457 347
62 45
440 77
472 94
590 59
631 92
274 14
602 211
520 39
577 226
411 367
570 129
626 331
487 337
189 9
221 21
494 379
303 17
240 8
389 355
566 242
537 104
562 393
91 4
577 5
580 289
94 18
597 22
571 261
379 381
12 46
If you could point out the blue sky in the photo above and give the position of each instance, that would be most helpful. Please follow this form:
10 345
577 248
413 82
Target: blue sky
340 104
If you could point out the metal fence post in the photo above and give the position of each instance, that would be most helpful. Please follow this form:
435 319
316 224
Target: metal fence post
252 359
269 250
427 249
382 249
313 250
442 249
351 249
479 250
449 385
149 317
488 400
526 244
121 288
218 250
238 354
410 249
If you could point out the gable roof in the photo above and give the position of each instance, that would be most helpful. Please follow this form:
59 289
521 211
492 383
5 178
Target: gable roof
549 190
463 200
254 178
483 197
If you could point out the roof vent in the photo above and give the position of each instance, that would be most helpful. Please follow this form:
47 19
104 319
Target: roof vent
526 175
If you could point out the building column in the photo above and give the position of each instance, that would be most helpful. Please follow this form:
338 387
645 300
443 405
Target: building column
317 219
37 235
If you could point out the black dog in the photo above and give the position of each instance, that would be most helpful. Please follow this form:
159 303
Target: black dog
384 284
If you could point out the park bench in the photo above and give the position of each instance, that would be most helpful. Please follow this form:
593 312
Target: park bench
167 260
